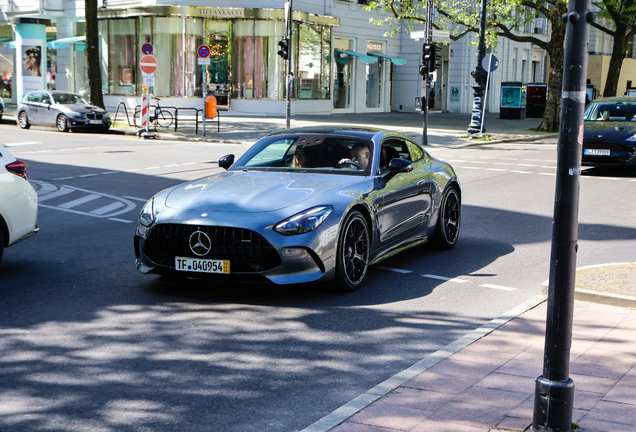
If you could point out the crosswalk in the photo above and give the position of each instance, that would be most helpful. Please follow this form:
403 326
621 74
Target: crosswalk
87 203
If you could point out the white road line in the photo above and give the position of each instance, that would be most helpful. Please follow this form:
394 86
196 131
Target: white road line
508 158
149 168
473 168
478 162
60 192
550 174
134 169
64 178
526 165
108 208
109 172
79 201
136 199
486 157
121 220
189 163
170 166
444 278
548 167
503 163
393 269
532 160
521 172
22 143
496 169
499 287
88 175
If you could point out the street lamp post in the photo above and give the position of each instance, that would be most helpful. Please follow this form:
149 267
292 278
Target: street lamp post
480 76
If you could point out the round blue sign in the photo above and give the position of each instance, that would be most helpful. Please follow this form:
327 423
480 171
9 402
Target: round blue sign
146 48
204 51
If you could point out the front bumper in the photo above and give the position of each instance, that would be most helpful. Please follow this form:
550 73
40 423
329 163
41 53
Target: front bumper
74 122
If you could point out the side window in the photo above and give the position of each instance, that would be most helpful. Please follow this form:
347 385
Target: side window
46 98
33 97
393 149
415 150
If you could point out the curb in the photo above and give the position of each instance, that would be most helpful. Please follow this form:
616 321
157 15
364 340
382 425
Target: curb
591 296
347 410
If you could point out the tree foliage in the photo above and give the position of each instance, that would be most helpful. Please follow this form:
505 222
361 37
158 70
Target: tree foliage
505 19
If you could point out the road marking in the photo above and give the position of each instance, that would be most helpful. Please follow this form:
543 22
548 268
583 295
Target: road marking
532 160
137 199
499 287
134 169
60 192
444 278
64 178
521 172
508 158
189 163
149 168
495 169
121 220
88 175
109 172
473 168
526 165
79 201
22 143
549 174
548 167
108 208
394 269
170 166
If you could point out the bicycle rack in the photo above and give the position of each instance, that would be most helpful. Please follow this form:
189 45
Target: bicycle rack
125 110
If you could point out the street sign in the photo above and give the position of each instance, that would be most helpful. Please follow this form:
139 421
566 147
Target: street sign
417 34
203 61
490 63
148 64
147 48
204 51
149 80
441 33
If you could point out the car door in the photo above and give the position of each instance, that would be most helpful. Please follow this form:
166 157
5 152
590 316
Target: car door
30 106
406 198
46 110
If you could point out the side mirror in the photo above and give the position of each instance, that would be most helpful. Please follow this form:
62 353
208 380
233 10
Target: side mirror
398 165
226 161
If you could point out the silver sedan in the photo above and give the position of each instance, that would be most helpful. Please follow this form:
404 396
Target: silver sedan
303 205
61 109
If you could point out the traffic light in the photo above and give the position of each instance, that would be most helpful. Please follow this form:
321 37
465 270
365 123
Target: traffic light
431 56
427 53
284 49
438 57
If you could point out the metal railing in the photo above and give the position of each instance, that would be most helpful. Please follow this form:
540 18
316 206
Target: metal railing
175 111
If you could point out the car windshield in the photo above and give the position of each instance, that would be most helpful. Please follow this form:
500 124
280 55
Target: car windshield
611 111
316 153
68 99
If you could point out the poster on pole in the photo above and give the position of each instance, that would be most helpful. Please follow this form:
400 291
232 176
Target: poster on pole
31 70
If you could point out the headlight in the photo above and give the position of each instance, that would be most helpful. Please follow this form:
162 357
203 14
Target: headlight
147 216
76 114
304 222
631 138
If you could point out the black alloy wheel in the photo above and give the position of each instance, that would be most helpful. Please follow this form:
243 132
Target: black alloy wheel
448 223
62 123
23 120
353 253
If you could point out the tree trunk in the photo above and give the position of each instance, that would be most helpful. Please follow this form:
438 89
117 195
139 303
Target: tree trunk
92 54
550 121
616 61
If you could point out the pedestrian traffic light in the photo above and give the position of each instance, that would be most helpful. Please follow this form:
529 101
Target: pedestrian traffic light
431 56
284 48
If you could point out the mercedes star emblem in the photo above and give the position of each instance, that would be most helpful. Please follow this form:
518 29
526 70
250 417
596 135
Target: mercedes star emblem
200 243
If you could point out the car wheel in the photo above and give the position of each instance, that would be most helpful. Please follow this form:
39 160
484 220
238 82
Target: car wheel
353 253
62 124
448 221
23 120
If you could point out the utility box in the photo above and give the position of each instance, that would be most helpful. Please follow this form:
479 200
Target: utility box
513 100
537 96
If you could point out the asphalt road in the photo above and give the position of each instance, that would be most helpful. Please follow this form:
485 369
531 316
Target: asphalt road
89 344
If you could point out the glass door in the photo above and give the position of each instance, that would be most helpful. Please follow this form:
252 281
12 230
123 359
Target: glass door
342 74
219 37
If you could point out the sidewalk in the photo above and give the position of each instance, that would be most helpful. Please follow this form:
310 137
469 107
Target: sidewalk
485 381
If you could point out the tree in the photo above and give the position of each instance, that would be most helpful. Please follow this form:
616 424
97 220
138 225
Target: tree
623 15
505 18
92 54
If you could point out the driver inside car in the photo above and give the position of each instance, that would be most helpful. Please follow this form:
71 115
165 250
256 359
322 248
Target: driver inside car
359 154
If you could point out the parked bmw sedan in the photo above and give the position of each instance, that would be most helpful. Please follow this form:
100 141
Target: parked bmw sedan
61 109
303 205
18 202
610 132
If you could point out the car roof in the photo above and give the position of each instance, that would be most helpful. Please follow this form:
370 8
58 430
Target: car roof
615 99
363 132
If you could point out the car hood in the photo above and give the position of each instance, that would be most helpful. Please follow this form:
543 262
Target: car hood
253 192
608 131
85 109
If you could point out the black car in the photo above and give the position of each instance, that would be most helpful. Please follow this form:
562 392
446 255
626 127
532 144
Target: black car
61 109
610 132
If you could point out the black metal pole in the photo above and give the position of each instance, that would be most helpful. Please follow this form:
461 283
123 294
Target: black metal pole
554 390
428 28
480 76
290 74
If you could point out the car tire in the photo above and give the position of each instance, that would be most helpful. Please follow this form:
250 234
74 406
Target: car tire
23 120
62 123
354 245
448 221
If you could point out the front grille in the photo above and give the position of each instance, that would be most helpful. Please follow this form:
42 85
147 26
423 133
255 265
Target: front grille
246 250
94 116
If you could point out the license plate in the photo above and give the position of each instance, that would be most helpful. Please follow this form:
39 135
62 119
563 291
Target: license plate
95 122
201 265
597 152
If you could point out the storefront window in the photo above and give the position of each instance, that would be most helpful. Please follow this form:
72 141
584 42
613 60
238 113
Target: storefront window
195 35
342 74
169 51
219 36
103 53
309 61
243 60
325 75
374 78
122 43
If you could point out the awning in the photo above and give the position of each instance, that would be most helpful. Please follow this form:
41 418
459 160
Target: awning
394 60
63 43
363 57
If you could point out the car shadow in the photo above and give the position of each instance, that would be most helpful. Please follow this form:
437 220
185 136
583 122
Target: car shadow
616 171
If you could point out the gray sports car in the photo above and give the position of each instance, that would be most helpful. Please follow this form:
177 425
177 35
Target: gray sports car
303 205
61 109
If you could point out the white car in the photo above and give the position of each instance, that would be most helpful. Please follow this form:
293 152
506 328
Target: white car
18 202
